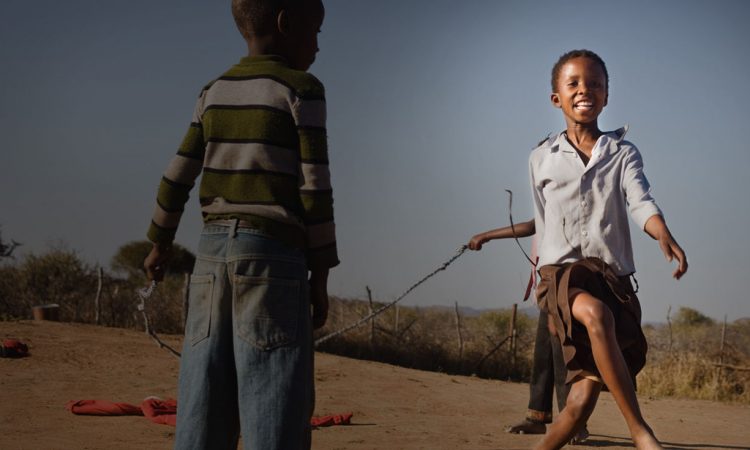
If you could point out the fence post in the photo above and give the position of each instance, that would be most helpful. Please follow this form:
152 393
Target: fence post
99 274
721 350
460 337
723 339
113 316
395 326
372 320
669 322
512 335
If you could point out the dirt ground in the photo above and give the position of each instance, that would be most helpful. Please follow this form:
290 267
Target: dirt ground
394 408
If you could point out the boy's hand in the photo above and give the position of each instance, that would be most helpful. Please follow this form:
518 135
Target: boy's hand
657 229
155 262
477 241
319 297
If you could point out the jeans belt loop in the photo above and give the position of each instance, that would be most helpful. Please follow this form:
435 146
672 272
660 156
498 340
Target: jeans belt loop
233 228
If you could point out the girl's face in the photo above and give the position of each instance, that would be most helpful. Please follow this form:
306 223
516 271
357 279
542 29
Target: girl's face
581 90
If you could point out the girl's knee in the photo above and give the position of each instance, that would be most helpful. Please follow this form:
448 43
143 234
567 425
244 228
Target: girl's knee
594 315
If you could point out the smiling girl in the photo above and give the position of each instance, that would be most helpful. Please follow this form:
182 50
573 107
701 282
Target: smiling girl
585 183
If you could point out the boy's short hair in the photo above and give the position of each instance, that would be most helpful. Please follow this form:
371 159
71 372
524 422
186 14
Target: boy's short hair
576 54
258 17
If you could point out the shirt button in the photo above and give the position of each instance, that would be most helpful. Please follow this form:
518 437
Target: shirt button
585 233
583 203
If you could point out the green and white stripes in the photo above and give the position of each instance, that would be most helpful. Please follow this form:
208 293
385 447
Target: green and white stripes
258 136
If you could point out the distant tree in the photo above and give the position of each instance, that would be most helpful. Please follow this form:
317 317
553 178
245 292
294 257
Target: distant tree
129 259
6 250
691 317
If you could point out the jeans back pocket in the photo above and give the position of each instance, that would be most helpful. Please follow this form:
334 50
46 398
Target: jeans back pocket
267 310
200 300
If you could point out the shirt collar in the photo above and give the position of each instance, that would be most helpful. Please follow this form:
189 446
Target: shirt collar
609 140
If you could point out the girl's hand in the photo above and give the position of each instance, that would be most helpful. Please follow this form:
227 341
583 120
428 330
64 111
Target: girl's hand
657 229
672 250
477 241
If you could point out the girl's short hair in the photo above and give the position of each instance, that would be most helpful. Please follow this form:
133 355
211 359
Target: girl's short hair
576 54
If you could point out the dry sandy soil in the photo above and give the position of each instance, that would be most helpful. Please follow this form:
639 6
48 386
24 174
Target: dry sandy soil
394 408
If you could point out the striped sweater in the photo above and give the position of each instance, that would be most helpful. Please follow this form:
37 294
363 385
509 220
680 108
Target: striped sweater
258 136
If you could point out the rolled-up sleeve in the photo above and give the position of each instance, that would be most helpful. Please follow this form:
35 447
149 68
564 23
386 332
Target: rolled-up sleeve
637 189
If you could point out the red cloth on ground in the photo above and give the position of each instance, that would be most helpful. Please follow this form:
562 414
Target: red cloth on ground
335 419
102 408
164 412
13 348
160 411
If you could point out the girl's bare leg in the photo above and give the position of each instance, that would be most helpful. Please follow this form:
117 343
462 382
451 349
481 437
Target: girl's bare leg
578 408
600 325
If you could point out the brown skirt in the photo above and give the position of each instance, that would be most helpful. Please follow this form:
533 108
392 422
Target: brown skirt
598 279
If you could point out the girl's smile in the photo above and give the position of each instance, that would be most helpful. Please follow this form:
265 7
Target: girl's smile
581 91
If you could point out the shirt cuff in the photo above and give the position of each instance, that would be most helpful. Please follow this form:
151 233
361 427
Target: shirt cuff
161 236
643 212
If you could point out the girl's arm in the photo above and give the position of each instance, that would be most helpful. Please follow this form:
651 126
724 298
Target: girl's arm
524 229
657 229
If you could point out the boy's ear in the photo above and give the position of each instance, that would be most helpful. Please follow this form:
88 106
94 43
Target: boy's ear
555 99
282 22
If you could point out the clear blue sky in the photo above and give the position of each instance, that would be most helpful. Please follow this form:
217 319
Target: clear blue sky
433 108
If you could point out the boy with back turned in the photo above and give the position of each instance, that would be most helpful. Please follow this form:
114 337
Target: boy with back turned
258 136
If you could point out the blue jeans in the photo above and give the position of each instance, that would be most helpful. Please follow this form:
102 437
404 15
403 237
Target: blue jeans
247 360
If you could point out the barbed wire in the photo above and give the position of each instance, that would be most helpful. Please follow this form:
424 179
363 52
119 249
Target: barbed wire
380 310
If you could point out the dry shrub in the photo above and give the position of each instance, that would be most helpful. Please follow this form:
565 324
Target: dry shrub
689 368
427 339
60 276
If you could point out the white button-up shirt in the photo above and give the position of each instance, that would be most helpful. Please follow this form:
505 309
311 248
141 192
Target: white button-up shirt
580 210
